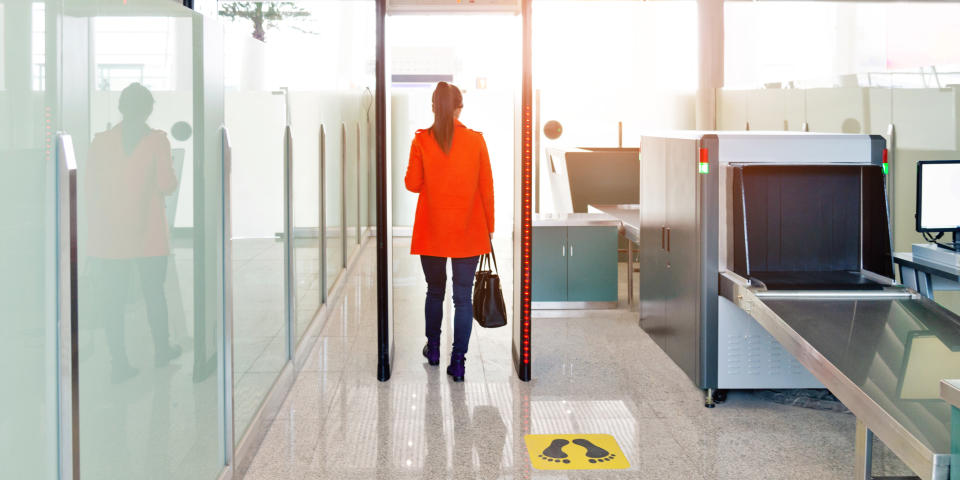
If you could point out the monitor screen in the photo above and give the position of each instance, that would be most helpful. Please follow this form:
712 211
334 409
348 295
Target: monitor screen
938 195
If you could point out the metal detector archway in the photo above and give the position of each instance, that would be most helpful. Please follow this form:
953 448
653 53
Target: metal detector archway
523 148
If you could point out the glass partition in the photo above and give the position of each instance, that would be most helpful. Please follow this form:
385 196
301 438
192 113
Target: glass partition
367 170
307 202
29 105
256 117
333 197
143 100
322 93
352 186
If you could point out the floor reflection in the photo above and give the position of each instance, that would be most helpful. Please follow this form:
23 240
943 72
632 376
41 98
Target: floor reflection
594 372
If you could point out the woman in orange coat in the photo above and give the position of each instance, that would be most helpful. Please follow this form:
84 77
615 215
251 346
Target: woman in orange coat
450 169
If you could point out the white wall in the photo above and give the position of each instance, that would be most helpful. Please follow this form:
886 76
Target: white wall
256 122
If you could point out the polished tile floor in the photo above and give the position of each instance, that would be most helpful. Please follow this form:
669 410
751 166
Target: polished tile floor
594 372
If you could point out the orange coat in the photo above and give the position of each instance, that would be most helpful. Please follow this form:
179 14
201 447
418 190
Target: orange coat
455 208
126 216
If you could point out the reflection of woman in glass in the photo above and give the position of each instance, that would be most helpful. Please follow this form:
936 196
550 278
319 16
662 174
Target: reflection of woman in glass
128 174
450 169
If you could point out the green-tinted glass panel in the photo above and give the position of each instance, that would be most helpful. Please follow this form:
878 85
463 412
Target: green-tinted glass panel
307 200
256 118
352 186
28 334
137 78
333 194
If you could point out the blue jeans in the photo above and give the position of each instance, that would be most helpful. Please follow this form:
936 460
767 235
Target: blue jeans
435 271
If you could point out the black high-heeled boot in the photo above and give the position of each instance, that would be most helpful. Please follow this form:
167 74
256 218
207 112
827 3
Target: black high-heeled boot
457 367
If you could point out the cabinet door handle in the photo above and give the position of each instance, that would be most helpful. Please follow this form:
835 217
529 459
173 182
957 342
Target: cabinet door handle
563 250
663 233
668 239
571 249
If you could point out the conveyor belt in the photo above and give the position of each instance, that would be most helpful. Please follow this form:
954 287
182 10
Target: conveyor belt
863 349
836 280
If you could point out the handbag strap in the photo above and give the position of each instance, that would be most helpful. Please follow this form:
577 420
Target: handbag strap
494 256
485 259
491 254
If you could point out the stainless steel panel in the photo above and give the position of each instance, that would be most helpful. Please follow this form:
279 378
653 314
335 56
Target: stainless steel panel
652 222
683 259
709 234
858 349
749 357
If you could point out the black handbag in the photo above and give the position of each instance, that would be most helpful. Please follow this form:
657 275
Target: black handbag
488 307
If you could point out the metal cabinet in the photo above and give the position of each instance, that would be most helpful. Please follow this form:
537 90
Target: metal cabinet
653 254
592 264
549 264
575 267
671 269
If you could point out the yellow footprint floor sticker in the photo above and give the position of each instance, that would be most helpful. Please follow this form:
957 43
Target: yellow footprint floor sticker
575 452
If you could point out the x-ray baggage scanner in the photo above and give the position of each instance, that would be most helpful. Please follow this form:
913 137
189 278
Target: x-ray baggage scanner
789 211
766 263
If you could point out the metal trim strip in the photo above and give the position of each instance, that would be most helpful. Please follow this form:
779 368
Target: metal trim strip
288 247
836 294
573 305
227 346
68 365
227 270
323 213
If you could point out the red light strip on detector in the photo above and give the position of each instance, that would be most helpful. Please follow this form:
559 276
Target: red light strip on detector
526 189
525 237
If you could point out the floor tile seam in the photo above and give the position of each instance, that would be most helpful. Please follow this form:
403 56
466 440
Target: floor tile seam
244 263
339 286
274 243
261 354
306 294
324 398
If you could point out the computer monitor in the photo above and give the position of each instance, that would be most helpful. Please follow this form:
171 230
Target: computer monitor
938 196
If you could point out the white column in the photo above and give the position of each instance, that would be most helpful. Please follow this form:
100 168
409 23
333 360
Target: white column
710 53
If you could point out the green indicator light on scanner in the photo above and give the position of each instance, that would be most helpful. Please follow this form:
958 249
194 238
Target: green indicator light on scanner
705 168
886 168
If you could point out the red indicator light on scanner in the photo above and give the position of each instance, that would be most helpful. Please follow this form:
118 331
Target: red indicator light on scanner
886 162
704 166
